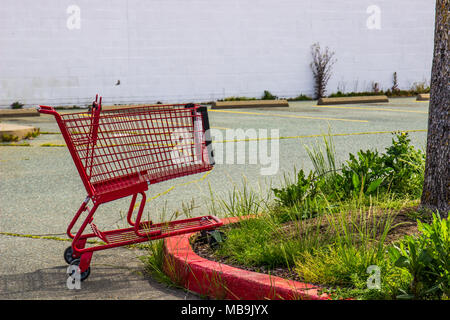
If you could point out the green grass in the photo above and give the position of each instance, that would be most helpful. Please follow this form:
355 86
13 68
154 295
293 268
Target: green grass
33 134
416 88
263 242
333 249
358 241
328 234
156 264
9 138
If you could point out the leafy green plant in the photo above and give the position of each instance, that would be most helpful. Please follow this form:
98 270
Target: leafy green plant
300 97
398 171
365 172
406 166
427 259
16 105
268 96
295 193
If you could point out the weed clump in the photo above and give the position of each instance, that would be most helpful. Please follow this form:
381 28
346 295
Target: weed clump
16 105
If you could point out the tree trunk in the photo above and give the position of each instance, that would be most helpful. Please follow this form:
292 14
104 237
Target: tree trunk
436 188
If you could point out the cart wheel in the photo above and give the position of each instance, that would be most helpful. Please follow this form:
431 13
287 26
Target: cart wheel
68 255
84 275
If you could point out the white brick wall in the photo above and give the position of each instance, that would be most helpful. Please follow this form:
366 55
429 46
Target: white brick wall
201 50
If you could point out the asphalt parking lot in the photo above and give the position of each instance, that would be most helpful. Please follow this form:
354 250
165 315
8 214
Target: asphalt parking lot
40 191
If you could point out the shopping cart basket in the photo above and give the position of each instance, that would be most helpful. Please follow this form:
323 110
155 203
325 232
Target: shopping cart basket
118 153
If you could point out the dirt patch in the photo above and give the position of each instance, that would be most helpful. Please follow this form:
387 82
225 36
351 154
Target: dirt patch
401 223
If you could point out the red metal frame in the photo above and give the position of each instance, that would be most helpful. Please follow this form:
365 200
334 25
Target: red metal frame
119 153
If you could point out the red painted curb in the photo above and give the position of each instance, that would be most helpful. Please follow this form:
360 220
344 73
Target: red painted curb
220 281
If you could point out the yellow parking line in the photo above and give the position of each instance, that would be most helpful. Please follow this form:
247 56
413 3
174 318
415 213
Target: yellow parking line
319 135
372 109
288 137
287 116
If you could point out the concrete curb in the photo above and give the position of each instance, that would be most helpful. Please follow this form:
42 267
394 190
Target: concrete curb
220 281
15 130
10 113
249 104
132 106
423 97
349 100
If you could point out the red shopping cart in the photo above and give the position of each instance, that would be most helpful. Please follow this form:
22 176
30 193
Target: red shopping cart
118 153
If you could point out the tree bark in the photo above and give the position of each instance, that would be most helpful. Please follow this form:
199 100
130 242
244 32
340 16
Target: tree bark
436 188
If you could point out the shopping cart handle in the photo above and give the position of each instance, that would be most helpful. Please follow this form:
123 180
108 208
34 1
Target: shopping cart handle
216 219
46 110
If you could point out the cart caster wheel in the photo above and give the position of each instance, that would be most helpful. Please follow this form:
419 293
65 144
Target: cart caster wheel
68 255
84 275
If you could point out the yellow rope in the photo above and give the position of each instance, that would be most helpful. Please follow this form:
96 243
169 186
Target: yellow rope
286 137
318 135
287 116
175 186
45 237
